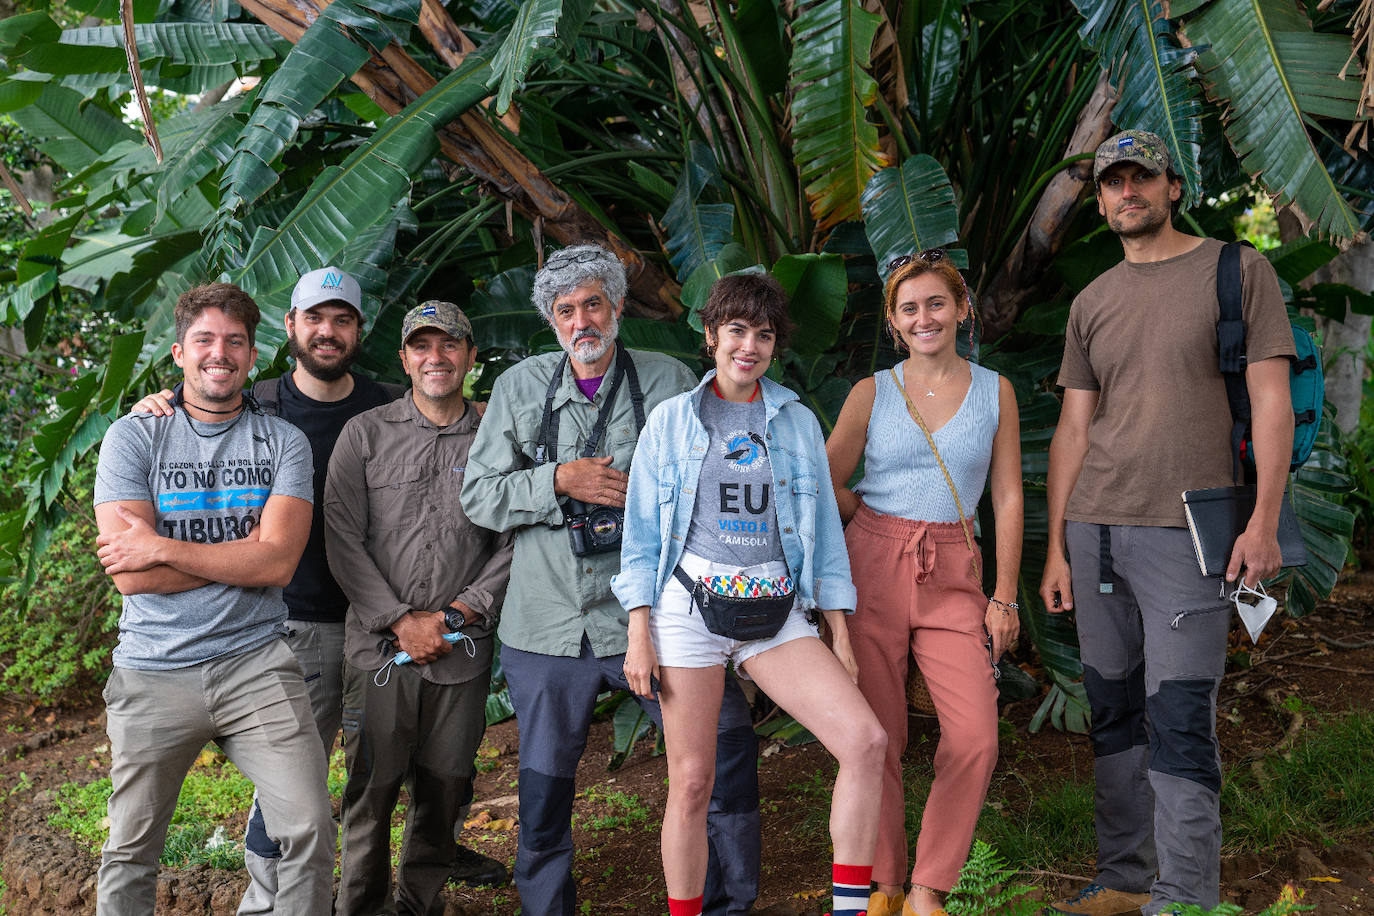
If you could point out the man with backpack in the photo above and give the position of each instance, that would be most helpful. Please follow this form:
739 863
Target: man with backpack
1145 416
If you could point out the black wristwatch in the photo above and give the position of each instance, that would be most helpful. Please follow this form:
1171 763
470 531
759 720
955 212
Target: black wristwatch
454 619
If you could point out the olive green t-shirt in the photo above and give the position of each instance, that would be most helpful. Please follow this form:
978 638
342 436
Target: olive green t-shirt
1145 337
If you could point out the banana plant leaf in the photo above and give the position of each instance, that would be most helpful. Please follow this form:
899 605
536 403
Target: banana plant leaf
74 136
834 144
816 286
935 31
697 231
1275 76
346 199
909 209
331 50
1152 74
182 44
537 23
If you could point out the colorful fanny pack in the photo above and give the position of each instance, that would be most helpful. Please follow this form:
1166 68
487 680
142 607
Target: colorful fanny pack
741 607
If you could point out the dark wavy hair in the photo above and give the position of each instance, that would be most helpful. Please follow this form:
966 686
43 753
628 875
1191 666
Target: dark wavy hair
755 298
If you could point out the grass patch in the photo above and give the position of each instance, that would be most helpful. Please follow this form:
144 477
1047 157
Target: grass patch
1322 791
623 810
214 790
1044 829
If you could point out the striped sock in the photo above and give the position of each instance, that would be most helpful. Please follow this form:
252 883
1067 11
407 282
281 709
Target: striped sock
684 907
851 888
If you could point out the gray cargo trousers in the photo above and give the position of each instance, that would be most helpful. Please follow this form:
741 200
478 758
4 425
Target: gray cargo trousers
1152 631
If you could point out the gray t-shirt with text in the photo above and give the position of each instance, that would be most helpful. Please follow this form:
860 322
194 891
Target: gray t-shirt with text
734 520
208 483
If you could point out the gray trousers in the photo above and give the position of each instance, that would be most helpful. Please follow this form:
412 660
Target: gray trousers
254 706
422 735
318 648
1153 652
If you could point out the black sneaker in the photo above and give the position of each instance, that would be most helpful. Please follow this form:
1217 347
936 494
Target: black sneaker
474 869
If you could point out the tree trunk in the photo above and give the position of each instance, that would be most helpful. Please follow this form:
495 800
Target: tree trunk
1018 279
1344 342
396 79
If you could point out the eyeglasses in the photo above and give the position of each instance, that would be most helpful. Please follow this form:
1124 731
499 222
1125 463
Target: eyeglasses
930 256
1255 615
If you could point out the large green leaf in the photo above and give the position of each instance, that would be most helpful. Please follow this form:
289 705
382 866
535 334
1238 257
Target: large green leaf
696 231
344 200
1275 76
934 74
74 136
909 209
1152 76
331 50
815 285
835 145
532 33
185 44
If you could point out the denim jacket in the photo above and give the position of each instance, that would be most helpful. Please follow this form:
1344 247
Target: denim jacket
662 490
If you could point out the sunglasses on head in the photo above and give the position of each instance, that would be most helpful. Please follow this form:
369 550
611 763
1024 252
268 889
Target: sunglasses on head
930 256
581 257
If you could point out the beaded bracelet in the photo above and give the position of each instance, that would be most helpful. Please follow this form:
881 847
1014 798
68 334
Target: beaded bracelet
1006 606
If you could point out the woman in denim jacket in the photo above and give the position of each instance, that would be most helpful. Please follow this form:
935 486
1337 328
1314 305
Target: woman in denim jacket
729 482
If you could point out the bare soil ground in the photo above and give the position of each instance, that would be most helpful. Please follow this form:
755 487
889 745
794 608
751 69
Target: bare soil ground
1326 659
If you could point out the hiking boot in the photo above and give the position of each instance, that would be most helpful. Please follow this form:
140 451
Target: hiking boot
473 869
880 904
1096 900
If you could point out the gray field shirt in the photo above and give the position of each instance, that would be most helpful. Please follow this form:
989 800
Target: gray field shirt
556 598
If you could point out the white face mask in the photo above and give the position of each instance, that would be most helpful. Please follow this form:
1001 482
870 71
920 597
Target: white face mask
1255 615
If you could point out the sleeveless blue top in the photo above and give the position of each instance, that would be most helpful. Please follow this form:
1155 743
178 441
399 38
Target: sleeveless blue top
901 476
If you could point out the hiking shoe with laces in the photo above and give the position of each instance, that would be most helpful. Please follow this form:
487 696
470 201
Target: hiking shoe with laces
1096 900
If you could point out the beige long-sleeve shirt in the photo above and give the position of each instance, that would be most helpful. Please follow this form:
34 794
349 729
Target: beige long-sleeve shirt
399 541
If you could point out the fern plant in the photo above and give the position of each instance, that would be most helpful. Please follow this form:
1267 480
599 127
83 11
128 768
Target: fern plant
1284 906
984 887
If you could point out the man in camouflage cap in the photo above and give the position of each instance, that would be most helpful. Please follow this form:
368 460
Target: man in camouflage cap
1145 416
418 575
1139 146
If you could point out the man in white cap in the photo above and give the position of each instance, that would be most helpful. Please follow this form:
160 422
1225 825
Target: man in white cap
319 396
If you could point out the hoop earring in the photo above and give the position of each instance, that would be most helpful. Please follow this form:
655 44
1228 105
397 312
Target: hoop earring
711 350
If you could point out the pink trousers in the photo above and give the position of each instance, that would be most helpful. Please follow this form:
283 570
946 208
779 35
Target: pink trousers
917 593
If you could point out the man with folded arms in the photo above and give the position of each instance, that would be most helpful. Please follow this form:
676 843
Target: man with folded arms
203 515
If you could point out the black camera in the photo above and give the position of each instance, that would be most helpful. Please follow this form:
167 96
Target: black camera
593 529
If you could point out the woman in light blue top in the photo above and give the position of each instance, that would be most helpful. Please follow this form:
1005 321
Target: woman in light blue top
930 432
730 492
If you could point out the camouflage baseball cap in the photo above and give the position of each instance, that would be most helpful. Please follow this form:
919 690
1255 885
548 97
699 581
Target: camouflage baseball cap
1138 146
445 316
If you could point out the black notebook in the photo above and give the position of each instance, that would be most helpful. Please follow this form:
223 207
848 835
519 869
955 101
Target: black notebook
1217 516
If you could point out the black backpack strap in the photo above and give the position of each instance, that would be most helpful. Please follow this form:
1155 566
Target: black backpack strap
268 395
1231 348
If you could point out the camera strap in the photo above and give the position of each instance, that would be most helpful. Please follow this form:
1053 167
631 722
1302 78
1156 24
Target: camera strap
546 446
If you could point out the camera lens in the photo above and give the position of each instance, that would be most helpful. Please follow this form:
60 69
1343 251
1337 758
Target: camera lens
604 525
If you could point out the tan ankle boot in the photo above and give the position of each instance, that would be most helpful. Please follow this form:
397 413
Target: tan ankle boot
880 904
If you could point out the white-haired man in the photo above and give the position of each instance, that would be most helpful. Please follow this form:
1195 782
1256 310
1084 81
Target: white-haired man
549 464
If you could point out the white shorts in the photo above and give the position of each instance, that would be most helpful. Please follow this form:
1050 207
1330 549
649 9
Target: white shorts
680 637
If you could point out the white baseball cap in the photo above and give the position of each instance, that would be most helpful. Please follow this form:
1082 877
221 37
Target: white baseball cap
328 284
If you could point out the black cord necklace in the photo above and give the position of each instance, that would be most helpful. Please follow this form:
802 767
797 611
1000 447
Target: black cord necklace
225 426
208 410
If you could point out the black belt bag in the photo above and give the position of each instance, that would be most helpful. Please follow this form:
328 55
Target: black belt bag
734 617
